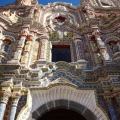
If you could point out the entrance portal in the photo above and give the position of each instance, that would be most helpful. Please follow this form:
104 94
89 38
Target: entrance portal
62 114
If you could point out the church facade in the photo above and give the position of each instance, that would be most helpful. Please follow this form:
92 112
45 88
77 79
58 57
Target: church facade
60 56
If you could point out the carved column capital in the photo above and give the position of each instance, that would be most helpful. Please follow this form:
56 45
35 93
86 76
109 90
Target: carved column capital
15 99
4 96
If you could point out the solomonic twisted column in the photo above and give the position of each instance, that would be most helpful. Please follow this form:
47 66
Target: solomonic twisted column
4 97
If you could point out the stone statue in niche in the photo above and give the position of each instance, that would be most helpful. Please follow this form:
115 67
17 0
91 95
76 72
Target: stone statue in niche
17 54
97 58
105 55
5 46
100 42
115 47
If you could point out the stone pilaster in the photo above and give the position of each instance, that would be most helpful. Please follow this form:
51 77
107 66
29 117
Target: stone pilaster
13 109
118 99
31 14
43 48
26 51
15 99
1 42
81 62
4 97
79 49
21 41
20 46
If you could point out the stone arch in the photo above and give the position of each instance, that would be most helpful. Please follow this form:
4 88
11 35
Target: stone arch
8 37
112 39
68 96
63 104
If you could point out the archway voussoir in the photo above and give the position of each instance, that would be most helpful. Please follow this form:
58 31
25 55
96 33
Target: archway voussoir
102 118
99 114
89 115
42 109
50 104
61 103
35 115
77 107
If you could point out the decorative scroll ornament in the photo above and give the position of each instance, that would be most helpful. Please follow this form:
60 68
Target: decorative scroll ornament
60 8
12 16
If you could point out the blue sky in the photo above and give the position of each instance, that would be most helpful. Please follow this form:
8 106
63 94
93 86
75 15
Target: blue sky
43 2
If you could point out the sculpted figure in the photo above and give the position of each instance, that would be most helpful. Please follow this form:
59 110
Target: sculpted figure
17 54
100 42
5 46
97 58
105 55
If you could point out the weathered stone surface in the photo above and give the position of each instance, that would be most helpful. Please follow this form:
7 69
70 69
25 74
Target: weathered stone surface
89 115
76 106
35 115
61 103
51 104
42 109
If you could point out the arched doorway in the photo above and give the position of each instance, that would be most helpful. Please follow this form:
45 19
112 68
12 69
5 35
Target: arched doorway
58 96
61 114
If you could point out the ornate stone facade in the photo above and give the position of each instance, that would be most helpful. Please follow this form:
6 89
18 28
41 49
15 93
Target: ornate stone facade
31 84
